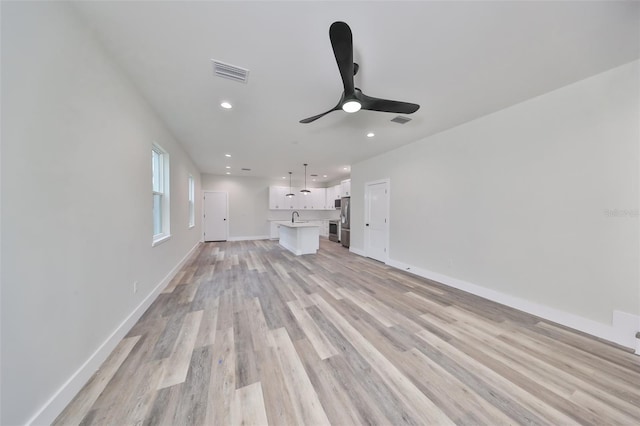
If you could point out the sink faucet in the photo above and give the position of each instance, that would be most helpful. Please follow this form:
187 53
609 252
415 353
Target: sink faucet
294 212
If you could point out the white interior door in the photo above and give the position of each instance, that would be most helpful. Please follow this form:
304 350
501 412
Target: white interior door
376 229
216 225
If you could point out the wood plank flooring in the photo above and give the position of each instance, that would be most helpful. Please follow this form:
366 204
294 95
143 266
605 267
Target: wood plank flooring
247 333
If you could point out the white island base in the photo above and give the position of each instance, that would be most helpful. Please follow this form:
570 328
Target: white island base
299 237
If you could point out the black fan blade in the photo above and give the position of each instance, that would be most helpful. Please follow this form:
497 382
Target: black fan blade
385 105
315 117
342 43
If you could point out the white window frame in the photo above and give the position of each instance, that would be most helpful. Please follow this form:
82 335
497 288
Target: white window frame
160 183
192 202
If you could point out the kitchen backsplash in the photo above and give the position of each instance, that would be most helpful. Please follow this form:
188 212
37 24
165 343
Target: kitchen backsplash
304 214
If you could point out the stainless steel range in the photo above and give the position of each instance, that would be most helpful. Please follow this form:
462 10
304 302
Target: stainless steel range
334 230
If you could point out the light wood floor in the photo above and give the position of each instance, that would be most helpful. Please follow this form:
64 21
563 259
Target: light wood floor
247 333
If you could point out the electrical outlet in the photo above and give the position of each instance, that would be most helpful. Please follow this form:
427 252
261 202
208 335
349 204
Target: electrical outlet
135 287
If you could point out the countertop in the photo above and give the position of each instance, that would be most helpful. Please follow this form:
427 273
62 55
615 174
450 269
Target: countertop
304 220
299 224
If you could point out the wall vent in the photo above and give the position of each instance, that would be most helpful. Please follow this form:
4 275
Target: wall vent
229 71
400 119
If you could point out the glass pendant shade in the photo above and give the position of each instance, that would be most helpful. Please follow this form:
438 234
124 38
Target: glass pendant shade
290 194
305 191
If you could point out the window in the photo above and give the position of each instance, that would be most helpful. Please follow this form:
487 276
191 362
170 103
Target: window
192 200
160 191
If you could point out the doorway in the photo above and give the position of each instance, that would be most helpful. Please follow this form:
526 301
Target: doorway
216 211
376 230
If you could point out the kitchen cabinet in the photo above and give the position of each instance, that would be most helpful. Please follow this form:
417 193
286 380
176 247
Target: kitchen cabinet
318 198
324 229
345 186
300 238
333 193
328 197
315 200
274 233
323 226
305 201
278 199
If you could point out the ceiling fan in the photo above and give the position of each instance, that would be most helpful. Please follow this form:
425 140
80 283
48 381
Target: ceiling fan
352 99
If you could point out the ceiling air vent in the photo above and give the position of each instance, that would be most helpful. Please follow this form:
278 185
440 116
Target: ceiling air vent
244 169
229 71
400 119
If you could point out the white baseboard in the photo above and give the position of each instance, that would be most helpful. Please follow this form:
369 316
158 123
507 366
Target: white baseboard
622 331
357 251
257 237
63 396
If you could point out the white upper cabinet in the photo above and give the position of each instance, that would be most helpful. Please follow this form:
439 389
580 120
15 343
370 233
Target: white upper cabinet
331 197
304 201
292 203
346 188
319 198
278 199
336 193
315 200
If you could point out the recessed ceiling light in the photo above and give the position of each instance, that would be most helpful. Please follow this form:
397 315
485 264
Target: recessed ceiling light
370 134
228 167
228 173
226 105
346 168
227 155
313 180
284 177
324 175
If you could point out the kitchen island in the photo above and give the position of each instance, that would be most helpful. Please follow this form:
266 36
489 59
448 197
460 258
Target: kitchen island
300 237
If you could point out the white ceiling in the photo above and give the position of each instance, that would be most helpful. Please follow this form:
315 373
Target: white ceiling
458 60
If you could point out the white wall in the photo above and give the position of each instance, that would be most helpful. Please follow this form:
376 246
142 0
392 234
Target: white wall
76 207
523 202
249 212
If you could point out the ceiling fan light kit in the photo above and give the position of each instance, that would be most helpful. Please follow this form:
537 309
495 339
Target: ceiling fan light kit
352 99
351 106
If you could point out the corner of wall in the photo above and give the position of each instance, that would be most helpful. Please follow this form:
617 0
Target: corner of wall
622 331
63 396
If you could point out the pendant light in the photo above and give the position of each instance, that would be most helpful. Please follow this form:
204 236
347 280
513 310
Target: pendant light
305 191
290 194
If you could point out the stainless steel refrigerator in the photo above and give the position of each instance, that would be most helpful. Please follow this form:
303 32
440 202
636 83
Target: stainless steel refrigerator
345 221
